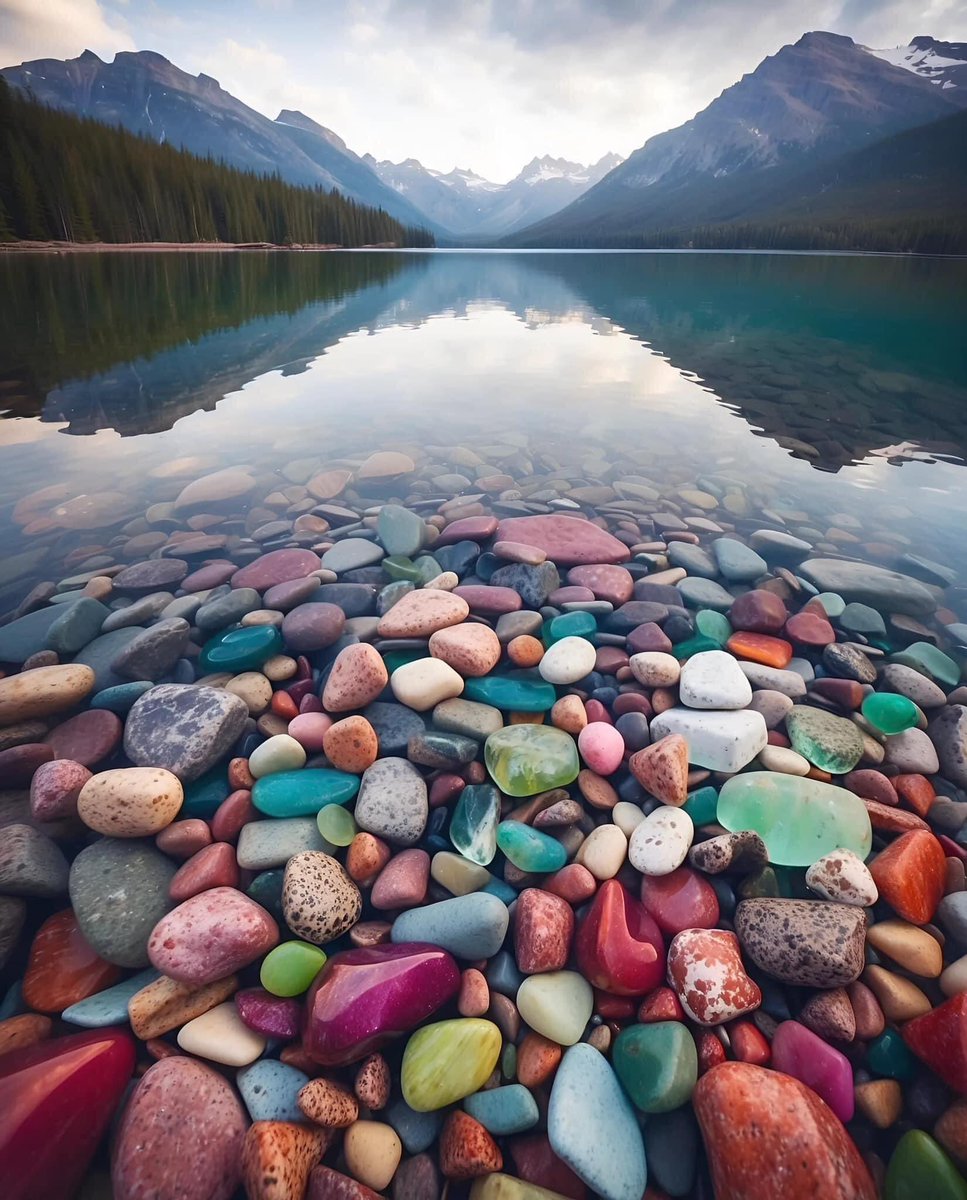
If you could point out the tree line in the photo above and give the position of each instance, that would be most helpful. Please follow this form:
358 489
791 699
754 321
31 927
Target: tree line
68 178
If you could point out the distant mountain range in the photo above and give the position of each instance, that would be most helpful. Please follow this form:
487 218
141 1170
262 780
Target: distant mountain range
816 131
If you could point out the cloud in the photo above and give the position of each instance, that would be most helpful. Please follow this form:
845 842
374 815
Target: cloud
58 29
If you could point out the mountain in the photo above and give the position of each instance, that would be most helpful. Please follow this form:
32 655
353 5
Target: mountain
473 207
809 103
145 93
942 63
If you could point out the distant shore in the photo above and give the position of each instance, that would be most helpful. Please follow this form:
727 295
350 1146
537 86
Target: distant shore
163 247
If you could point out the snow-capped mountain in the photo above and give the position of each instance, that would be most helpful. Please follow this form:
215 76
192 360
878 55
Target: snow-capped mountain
943 63
471 206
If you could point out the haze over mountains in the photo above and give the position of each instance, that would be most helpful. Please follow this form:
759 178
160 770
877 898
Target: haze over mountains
815 131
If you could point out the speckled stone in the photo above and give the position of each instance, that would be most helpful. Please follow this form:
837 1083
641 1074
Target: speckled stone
210 936
31 864
185 729
319 900
811 943
392 801
270 1090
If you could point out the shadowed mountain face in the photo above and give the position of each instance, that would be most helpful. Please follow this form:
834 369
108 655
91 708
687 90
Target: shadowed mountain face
826 356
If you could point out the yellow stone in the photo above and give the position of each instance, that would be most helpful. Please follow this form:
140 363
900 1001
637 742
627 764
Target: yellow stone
130 801
43 691
909 947
506 1187
448 1060
900 999
373 1152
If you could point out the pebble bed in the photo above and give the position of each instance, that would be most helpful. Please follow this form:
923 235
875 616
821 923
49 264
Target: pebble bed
448 822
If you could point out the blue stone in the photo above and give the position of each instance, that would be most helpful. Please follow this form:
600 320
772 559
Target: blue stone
120 699
270 1088
109 1007
504 1110
204 794
417 1130
304 792
471 927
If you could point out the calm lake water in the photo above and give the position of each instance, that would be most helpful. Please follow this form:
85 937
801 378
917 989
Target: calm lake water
822 394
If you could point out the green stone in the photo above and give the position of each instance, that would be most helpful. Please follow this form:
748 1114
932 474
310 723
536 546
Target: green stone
512 693
473 826
448 1060
526 759
290 968
400 529
508 1061
919 1168
861 618
571 624
394 659
657 1065
393 592
714 625
832 743
694 645
889 1056
337 825
832 602
529 849
240 649
428 567
799 819
930 661
890 713
701 805
205 794
303 793
399 567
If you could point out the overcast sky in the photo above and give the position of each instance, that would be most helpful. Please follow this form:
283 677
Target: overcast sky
485 84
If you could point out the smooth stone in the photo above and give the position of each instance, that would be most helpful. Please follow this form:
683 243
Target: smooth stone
270 1088
473 826
912 753
420 613
27 635
468 718
400 529
154 575
567 661
310 627
556 1004
266 844
619 948
44 691
211 935
300 793
290 968
660 843
447 1061
319 900
524 760
706 971
472 650
684 899
154 652
392 801
720 741
357 677
512 693
278 753
655 668
905 681
884 590
567 541
657 1065
351 553
109 1007
184 729
271 1016
602 747
88 738
800 820
101 653
931 662
890 713
372 1151
238 650
948 732
424 683
592 1127
842 876
713 680
62 967
471 926
810 943
529 849
504 1110
130 802
31 864
919 1167
737 561
222 611
77 625
119 892
704 593
832 743
798 1052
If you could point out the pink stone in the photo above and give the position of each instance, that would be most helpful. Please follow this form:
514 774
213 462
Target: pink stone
472 529
272 1016
568 541
312 626
606 582
573 883
490 601
182 839
649 636
570 595
543 931
309 729
705 968
422 613
54 789
278 566
212 574
210 936
797 1051
519 552
471 649
602 747
402 883
214 866
88 738
357 677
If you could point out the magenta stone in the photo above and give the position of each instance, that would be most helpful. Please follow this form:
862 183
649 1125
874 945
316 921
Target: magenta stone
797 1051
272 1016
471 529
278 566
361 999
54 789
212 574
88 738
567 541
607 582
601 746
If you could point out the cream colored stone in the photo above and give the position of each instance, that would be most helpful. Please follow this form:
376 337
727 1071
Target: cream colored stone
220 1036
424 683
603 851
373 1151
254 688
131 801
43 691
627 817
784 760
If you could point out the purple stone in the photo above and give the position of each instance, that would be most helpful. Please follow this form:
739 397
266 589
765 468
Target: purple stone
491 601
473 529
312 626
572 594
797 1051
211 575
363 998
278 566
272 1016
284 596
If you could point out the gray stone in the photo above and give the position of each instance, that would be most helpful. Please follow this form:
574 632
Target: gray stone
860 618
352 553
693 559
400 530
138 612
516 624
101 653
392 801
905 681
30 864
781 547
952 916
912 753
394 724
13 913
263 845
705 593
472 926
948 732
886 591
185 729
153 653
27 635
227 609
153 575
79 624
532 584
737 561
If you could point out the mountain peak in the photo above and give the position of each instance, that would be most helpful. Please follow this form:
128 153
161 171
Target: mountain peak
89 56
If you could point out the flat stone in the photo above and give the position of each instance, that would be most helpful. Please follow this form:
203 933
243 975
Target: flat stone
27 635
567 541
101 653
43 691
809 943
829 742
737 561
109 1007
153 652
278 566
351 553
31 864
720 741
185 729
886 591
471 927
78 625
153 575
88 738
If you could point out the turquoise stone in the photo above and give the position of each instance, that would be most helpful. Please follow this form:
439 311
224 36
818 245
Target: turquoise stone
400 529
511 693
205 794
394 659
701 805
572 624
889 1056
526 759
504 1110
930 661
240 649
799 819
919 1168
657 1064
890 713
833 603
473 826
109 1007
428 567
397 566
120 699
529 849
270 1090
714 625
695 645
500 889
303 793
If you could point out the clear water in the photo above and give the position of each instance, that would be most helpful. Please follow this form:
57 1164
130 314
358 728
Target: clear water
828 392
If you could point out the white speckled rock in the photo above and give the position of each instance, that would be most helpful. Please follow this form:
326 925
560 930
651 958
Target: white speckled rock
424 683
220 1036
652 668
720 741
842 875
567 661
392 801
713 680
661 842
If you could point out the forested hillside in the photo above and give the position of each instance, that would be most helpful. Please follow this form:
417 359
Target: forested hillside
72 179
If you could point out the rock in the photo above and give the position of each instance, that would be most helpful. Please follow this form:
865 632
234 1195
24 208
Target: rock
798 1052
706 970
567 541
27 635
421 613
270 1088
302 792
936 1038
829 742
101 653
567 661
425 683
165 1004
210 936
471 926
682 900
373 1152
661 842
804 942
948 732
619 947
657 1065
543 930
524 760
602 747
44 691
119 892
184 729
504 1110
864 583
311 627
88 738
277 1157
358 676
131 802
912 752
392 801
662 769
63 968
919 1166
448 1060
221 1036
557 1005
109 1007
842 876
720 741
319 900
910 875
655 668
766 1134
713 680
77 624
13 913
31 864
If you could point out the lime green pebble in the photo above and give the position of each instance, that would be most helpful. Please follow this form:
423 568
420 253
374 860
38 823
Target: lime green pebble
337 825
290 968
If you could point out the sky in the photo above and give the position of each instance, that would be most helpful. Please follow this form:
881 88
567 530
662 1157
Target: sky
485 84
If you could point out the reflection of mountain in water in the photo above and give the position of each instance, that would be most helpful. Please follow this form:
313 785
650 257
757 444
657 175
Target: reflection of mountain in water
833 358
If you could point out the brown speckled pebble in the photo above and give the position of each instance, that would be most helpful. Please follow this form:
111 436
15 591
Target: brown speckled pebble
328 1103
467 1149
130 802
372 1083
319 900
739 851
807 942
277 1158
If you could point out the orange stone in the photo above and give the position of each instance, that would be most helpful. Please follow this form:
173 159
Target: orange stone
885 819
537 1059
662 769
910 875
761 648
26 1030
749 1044
916 792
596 790
525 651
63 969
568 714
351 744
366 857
467 1149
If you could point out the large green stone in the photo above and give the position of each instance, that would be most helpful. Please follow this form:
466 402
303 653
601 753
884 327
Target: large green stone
511 693
697 644
473 826
657 1064
399 567
529 849
240 649
890 713
448 1060
919 1168
303 793
930 661
289 968
526 759
829 742
799 819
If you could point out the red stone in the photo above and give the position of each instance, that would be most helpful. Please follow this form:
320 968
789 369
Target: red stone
885 819
706 970
278 566
597 712
18 763
234 812
662 769
543 929
609 660
939 1038
63 969
57 1099
567 541
182 839
284 706
214 866
661 1005
810 629
871 785
910 875
54 789
536 1162
472 529
573 883
619 947
681 900
916 792
749 1044
711 1052
570 595
758 611
611 1007
467 1149
846 693
490 601
606 582
88 738
445 788
760 648
648 637
631 702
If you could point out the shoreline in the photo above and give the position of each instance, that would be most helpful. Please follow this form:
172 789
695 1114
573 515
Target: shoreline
171 247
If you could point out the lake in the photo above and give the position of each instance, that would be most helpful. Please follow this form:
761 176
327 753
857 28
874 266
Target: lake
825 395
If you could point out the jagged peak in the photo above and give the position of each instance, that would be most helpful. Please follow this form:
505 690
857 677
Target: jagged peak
89 56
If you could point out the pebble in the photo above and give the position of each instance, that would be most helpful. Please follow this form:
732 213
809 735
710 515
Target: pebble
319 900
661 842
713 680
557 1005
425 683
448 1060
210 936
44 691
842 876
184 729
567 661
803 942
220 1035
720 741
270 1090
471 927
131 802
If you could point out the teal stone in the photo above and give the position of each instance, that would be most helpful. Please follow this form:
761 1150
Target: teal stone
400 529
504 1110
398 567
714 625
417 1130
502 890
205 794
303 793
266 889
738 562
593 1128
860 618
240 649
920 1168
571 624
799 819
701 805
833 604
657 1064
890 713
270 1090
473 826
512 693
428 567
705 593
109 1007
694 645
526 759
78 624
888 1055
930 661
831 743
529 849
394 659
120 699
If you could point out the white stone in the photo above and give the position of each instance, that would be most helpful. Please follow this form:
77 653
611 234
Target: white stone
603 851
627 817
842 876
720 741
220 1036
713 680
661 842
557 1004
653 668
784 760
567 661
424 683
277 753
773 680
